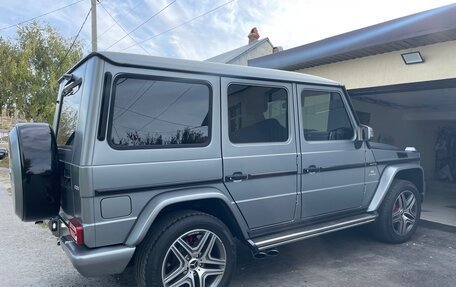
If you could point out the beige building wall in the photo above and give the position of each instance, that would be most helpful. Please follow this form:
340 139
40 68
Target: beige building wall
390 69
259 51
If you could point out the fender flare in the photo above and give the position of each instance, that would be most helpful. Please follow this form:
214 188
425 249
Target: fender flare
388 175
159 202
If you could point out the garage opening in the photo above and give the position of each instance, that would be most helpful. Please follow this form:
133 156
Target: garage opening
420 115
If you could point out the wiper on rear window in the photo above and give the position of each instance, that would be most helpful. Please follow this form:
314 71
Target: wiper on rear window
73 82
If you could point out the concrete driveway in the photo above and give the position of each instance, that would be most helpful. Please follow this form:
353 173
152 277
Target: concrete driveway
30 257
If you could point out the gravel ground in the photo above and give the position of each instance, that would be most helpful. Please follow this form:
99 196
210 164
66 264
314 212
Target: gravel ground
30 257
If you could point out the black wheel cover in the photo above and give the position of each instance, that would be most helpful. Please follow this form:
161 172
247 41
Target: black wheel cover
34 171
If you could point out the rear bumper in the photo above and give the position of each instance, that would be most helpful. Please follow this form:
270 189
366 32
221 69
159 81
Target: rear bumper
97 261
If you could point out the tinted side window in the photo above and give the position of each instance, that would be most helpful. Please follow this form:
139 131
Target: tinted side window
257 114
159 113
324 117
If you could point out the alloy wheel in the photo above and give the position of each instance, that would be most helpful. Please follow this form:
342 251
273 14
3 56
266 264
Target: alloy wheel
404 212
195 259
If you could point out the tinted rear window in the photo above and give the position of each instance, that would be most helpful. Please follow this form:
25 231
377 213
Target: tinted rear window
69 115
160 113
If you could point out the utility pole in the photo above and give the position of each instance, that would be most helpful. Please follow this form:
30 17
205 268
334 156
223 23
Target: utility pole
94 25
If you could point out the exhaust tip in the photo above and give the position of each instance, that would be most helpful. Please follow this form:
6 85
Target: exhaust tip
266 253
272 252
260 255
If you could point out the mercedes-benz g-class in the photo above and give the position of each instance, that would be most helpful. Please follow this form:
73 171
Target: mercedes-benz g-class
162 163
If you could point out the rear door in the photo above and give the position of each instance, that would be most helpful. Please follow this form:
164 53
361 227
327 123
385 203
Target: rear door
259 150
333 162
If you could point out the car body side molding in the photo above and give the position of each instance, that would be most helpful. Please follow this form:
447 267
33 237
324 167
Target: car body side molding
158 203
386 180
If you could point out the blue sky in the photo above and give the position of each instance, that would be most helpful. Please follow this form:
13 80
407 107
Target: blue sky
287 23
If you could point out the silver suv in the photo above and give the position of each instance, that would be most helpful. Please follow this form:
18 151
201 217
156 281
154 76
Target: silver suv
162 163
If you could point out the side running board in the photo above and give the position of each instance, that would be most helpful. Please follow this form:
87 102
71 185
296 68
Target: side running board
269 241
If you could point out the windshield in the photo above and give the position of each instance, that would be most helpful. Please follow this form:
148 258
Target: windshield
69 112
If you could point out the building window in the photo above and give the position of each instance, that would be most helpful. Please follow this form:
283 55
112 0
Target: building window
257 114
160 113
324 117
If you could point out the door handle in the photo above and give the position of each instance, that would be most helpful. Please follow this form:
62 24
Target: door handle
237 176
311 169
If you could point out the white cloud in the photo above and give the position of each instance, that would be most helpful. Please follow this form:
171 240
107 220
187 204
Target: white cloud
287 23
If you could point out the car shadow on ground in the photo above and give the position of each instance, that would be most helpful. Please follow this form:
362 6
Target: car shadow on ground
324 251
348 258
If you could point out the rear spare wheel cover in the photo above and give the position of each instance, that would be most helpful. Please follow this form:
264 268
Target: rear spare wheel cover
34 171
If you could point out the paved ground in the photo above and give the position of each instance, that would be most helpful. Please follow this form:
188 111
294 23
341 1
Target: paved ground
29 256
440 203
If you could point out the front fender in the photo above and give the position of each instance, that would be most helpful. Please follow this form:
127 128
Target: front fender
159 202
388 175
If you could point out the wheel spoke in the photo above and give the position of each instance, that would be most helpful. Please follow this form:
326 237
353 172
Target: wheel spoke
178 254
409 225
173 276
200 248
409 215
185 246
180 270
206 250
212 272
397 216
205 273
206 257
201 279
399 225
214 262
410 202
402 201
187 280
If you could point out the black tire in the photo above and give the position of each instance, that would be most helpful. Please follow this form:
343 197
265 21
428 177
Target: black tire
151 253
402 230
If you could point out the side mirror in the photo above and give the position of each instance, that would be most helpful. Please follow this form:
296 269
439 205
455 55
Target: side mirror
2 155
365 133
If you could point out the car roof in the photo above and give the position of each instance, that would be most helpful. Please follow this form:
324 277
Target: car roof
229 70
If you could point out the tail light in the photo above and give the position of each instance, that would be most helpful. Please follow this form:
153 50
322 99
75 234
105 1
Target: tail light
76 230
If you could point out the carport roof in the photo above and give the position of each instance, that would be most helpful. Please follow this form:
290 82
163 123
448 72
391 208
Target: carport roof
424 28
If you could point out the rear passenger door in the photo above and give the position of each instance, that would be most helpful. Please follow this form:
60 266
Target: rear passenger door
259 150
333 162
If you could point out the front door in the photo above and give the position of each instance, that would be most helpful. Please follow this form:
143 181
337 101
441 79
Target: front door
333 163
259 150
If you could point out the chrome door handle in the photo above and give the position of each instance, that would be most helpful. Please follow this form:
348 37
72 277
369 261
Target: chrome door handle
311 170
237 177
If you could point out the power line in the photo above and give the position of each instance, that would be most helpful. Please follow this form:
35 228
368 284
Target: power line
178 26
143 23
74 40
155 118
167 108
36 17
136 100
114 24
139 44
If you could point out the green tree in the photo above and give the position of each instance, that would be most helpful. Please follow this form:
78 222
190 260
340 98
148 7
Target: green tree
30 67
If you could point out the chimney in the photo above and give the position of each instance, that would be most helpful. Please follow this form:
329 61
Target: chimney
253 36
